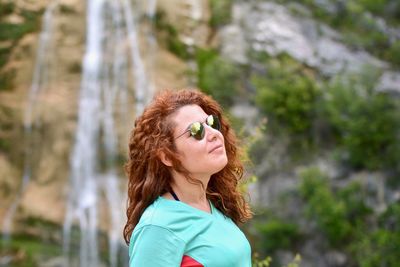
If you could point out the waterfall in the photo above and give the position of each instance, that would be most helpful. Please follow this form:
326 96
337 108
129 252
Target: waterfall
111 29
30 118
82 198
141 85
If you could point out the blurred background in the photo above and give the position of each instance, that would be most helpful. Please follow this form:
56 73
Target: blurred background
310 86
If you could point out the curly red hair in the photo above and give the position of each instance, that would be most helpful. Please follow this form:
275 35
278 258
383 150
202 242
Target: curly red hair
150 178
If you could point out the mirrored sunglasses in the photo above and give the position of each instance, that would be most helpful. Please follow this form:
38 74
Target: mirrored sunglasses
196 129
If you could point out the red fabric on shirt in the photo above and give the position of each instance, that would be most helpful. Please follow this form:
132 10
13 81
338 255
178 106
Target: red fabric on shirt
189 262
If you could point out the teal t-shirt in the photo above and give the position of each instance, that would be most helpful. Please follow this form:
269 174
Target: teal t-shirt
169 231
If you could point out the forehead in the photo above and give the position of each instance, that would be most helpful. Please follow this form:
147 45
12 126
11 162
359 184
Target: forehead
186 115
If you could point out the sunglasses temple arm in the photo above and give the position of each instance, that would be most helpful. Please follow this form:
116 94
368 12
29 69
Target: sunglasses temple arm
187 130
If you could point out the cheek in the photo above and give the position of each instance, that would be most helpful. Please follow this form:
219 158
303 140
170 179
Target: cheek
224 160
192 156
188 152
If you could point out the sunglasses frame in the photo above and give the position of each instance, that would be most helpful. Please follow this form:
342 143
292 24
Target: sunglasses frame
201 127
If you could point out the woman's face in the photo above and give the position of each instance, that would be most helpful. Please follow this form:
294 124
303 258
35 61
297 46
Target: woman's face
200 157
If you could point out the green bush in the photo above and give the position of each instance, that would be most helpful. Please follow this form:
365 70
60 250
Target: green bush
268 260
393 53
390 219
256 262
378 248
27 250
169 36
10 31
217 76
322 206
13 31
4 54
6 9
7 80
354 196
278 234
287 94
66 9
5 144
368 239
221 12
366 121
374 6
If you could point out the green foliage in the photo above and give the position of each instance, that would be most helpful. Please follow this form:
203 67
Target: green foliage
176 46
295 262
324 208
13 32
344 213
393 53
267 262
287 94
353 197
6 8
169 36
5 144
10 31
390 219
262 263
7 80
7 117
258 143
217 76
221 12
4 54
66 9
379 248
278 234
40 223
25 250
366 121
374 6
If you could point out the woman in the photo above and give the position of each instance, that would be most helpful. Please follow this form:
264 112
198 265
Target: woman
183 197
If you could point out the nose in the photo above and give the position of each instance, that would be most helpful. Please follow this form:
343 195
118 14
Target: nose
211 133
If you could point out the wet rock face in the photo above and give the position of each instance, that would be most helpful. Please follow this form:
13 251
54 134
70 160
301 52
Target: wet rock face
55 111
41 127
47 91
42 111
273 28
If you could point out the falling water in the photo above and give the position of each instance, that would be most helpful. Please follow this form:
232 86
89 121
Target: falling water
38 82
151 45
82 198
104 86
151 8
141 85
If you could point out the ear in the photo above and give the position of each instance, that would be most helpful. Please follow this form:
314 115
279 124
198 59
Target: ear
164 159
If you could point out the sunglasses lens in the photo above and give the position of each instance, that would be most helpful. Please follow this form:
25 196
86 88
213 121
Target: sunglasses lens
197 130
213 122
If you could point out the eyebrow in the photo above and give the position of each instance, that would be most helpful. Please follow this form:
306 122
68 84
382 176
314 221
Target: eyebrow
205 120
188 127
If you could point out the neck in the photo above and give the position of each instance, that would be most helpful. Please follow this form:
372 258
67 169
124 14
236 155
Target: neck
188 192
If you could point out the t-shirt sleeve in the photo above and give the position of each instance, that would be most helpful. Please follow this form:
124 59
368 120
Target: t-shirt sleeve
155 246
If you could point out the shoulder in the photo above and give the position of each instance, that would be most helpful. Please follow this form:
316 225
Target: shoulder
170 215
155 246
160 213
154 225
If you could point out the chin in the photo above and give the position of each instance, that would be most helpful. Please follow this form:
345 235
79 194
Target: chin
223 162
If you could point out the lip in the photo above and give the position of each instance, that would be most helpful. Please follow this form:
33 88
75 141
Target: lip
215 148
